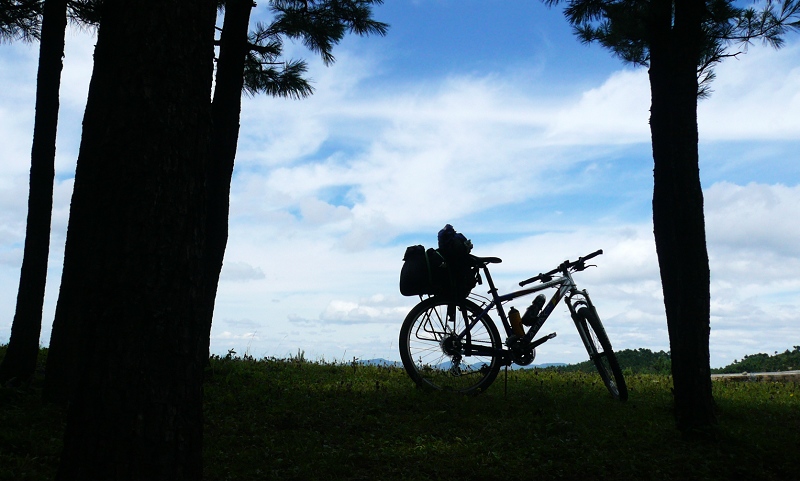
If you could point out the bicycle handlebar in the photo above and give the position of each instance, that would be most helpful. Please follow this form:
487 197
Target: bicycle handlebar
563 267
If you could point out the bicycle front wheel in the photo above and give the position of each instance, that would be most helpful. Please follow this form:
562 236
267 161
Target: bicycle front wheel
434 356
600 352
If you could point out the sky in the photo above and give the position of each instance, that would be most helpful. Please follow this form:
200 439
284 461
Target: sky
485 114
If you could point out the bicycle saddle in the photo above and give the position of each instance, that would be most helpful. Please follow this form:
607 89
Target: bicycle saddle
487 260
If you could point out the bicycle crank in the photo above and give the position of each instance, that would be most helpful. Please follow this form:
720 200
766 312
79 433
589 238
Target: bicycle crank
542 340
523 351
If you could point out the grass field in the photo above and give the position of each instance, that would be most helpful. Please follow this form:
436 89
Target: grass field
292 419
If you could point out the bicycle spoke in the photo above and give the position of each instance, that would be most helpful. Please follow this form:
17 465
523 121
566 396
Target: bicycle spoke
435 356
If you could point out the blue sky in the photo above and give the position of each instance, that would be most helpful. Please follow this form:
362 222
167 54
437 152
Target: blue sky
486 115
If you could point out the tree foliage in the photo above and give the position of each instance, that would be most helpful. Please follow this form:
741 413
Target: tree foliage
319 25
761 362
640 361
85 12
645 361
623 26
20 20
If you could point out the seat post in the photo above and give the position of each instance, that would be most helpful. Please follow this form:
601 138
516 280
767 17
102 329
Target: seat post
492 289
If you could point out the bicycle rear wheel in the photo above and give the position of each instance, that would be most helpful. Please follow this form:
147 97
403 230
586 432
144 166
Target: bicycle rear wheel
599 348
435 358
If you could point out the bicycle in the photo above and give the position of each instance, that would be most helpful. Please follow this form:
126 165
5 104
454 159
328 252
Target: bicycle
453 345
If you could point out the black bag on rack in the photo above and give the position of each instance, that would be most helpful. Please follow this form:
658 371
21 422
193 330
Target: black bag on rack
456 248
447 271
417 275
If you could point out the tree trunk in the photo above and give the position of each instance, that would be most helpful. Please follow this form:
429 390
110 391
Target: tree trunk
135 246
23 347
678 221
65 338
225 112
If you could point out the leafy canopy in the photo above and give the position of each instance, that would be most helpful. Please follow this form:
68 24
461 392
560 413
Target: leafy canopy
319 25
22 19
625 26
19 20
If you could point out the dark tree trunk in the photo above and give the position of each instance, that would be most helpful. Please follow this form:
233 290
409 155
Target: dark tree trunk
65 338
225 112
23 347
61 369
678 221
135 246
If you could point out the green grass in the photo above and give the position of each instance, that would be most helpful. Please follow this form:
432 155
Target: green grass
30 436
292 419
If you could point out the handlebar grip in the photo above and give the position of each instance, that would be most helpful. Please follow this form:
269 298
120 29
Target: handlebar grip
593 254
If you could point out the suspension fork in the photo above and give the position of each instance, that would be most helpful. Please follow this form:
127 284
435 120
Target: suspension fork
583 300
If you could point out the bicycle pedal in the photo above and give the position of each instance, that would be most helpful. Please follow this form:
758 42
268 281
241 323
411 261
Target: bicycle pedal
542 340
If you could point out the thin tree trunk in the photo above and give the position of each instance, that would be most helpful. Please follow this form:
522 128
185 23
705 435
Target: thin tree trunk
23 347
678 220
61 369
225 111
65 346
137 231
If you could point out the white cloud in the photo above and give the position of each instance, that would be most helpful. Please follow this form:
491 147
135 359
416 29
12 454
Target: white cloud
756 218
616 112
756 96
240 272
467 145
17 97
370 310
752 238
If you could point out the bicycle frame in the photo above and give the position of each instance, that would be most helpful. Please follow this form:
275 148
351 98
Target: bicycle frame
566 289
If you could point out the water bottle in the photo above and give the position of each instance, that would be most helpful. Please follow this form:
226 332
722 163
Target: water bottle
516 322
532 313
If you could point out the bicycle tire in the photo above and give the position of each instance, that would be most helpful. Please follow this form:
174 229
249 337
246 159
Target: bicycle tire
602 354
426 332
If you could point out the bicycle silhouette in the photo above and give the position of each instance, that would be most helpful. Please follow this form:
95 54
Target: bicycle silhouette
453 345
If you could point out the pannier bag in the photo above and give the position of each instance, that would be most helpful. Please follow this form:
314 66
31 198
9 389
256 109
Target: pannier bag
416 276
446 271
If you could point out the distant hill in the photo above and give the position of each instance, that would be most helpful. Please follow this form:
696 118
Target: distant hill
645 361
784 361
642 361
546 365
380 362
